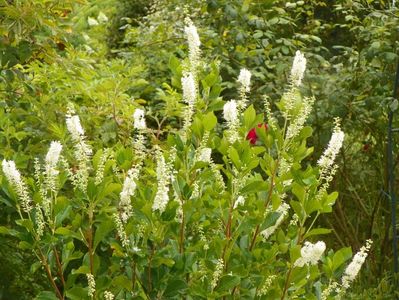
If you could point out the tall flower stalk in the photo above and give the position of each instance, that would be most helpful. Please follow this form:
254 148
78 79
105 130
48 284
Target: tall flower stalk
15 178
230 114
189 97
244 80
82 151
194 43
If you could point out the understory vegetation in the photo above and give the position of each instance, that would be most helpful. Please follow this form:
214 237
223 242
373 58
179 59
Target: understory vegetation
169 149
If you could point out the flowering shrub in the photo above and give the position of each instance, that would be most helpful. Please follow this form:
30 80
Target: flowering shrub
204 213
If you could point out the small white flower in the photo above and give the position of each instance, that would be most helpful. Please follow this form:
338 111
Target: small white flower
74 127
163 175
102 18
298 68
121 231
128 189
240 201
92 284
283 211
192 36
108 295
354 267
39 222
230 113
217 273
189 89
194 51
326 161
91 21
139 119
189 97
205 155
82 151
52 158
14 177
11 172
266 285
101 166
53 154
245 79
310 254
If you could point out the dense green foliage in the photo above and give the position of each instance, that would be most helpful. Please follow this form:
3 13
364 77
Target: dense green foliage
50 56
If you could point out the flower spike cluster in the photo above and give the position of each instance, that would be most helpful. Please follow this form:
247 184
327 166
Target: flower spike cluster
326 161
283 211
354 267
82 150
310 254
230 114
350 273
164 173
14 177
139 120
128 189
244 79
51 161
189 97
298 69
194 43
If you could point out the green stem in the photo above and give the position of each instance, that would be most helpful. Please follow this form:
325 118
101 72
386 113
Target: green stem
182 233
314 220
287 279
267 202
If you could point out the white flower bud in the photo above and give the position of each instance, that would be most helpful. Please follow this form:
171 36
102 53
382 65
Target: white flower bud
91 21
298 69
139 119
310 254
245 79
230 111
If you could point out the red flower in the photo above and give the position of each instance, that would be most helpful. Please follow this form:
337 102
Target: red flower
251 136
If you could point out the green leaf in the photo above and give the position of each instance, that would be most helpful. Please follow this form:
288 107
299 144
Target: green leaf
77 293
46 295
158 261
317 231
101 231
341 256
245 5
249 117
299 192
25 223
25 245
297 207
255 186
329 201
108 189
209 121
81 270
233 154
8 231
175 286
67 232
123 282
174 64
227 282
